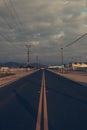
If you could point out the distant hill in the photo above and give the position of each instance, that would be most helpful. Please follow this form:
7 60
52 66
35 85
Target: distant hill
11 64
16 64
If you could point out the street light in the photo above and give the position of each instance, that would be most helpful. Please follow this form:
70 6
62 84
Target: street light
62 56
62 66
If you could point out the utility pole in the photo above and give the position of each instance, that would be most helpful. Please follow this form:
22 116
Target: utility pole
28 53
37 61
62 58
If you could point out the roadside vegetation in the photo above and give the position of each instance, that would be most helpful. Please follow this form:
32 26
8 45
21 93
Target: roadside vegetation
6 74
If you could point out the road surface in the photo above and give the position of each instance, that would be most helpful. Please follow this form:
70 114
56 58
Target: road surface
43 101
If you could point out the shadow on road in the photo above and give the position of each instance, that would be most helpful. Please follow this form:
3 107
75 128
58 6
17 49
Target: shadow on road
26 104
80 99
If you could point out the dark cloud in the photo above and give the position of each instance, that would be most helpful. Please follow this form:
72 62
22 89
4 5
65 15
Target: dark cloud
47 25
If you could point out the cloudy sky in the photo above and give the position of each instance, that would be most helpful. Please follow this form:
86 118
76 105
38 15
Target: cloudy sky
47 25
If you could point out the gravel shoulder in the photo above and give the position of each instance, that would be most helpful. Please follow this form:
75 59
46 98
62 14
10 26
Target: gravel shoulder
12 78
80 77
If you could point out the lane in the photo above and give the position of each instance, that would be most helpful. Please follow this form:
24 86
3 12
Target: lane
19 110
43 101
67 103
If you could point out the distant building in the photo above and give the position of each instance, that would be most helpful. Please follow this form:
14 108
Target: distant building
54 67
76 66
79 66
4 69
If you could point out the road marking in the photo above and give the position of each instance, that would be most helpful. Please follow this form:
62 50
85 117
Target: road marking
45 106
38 126
42 98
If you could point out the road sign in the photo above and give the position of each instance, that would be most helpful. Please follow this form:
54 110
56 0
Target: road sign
62 66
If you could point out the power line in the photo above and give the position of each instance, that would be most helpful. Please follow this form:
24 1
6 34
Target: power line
16 16
76 40
10 15
70 45
13 12
5 34
6 22
6 39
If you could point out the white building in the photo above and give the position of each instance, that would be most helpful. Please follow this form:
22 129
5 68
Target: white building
79 66
4 69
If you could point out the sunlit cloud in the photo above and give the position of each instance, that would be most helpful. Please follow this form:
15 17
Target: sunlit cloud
35 43
42 23
57 36
66 2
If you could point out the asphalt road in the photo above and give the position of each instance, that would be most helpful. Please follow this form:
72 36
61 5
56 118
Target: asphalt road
43 101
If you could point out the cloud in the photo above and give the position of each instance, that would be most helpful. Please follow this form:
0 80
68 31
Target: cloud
42 23
40 26
35 43
57 36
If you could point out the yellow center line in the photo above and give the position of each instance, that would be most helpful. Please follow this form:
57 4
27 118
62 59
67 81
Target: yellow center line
45 106
38 123
42 98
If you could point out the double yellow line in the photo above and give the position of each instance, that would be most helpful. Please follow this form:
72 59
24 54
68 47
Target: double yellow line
43 101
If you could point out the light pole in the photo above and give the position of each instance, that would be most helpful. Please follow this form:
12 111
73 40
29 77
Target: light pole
62 58
37 61
28 53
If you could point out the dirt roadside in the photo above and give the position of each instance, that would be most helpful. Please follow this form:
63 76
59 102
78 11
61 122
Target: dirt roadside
80 77
12 78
